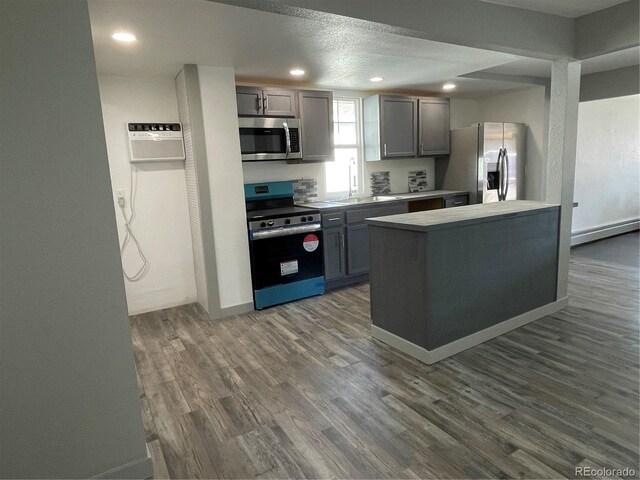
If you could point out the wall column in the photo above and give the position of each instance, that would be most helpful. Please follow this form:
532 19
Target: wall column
561 158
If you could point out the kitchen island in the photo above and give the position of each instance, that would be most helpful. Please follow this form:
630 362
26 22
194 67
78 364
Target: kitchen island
445 280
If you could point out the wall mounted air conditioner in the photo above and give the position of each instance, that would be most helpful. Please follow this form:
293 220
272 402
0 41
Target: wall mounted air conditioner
155 142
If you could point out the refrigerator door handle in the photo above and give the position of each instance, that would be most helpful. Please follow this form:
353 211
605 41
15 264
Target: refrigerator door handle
500 174
506 178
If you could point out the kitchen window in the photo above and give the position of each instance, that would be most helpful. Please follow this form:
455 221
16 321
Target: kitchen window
347 140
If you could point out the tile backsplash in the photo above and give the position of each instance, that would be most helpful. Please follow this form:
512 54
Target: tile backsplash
380 183
418 181
305 190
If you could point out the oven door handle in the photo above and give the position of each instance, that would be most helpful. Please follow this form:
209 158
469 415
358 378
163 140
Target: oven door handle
285 231
287 137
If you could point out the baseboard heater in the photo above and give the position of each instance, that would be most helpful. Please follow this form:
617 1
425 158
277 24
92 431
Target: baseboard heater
598 233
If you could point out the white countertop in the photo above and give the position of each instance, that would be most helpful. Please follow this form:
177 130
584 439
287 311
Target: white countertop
429 220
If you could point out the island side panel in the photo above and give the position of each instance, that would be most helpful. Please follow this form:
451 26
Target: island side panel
399 307
484 274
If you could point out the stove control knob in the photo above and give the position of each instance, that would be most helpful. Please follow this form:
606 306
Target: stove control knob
303 219
270 223
310 219
262 224
287 221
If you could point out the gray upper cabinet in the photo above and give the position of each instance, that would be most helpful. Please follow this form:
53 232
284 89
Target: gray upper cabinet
316 121
433 121
269 102
249 100
398 121
279 103
390 127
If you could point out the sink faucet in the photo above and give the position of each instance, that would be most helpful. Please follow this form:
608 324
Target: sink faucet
352 162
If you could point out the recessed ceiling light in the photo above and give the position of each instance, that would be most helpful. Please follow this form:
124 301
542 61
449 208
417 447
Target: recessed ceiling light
124 37
448 86
376 79
297 72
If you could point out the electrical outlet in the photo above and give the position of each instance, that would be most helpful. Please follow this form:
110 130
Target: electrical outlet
121 196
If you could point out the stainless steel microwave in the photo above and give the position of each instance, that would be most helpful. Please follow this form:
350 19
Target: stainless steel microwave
264 138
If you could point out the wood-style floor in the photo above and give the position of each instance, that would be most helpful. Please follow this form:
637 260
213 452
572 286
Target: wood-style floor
303 391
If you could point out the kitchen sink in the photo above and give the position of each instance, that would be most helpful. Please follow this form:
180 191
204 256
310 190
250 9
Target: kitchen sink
376 198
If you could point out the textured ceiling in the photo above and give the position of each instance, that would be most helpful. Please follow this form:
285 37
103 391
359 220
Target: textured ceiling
542 68
266 45
564 8
263 47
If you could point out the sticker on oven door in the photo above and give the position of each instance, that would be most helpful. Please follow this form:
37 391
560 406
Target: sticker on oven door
310 242
287 268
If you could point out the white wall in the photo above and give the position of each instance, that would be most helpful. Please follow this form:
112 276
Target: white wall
162 218
528 106
463 113
69 405
608 163
220 116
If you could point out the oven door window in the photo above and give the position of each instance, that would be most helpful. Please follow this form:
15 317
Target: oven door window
262 140
282 260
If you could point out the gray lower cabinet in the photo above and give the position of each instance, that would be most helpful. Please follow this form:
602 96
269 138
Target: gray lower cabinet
456 201
346 236
433 120
357 249
335 265
346 242
316 123
269 102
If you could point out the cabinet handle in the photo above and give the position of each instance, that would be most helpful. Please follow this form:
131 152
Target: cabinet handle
265 104
384 148
258 104
333 219
421 148
342 240
458 203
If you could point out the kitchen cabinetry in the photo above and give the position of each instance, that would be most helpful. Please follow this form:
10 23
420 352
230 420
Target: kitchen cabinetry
433 121
316 124
335 265
390 127
269 102
457 201
397 126
334 253
346 242
358 248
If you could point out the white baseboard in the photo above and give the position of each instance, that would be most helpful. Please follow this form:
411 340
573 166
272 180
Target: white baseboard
158 301
593 234
236 309
138 469
457 346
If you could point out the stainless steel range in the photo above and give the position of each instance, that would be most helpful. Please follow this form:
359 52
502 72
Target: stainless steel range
285 243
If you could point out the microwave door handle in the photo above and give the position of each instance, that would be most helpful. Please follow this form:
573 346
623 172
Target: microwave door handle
287 138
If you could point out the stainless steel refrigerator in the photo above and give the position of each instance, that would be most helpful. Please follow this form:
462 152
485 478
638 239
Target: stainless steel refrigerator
488 160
